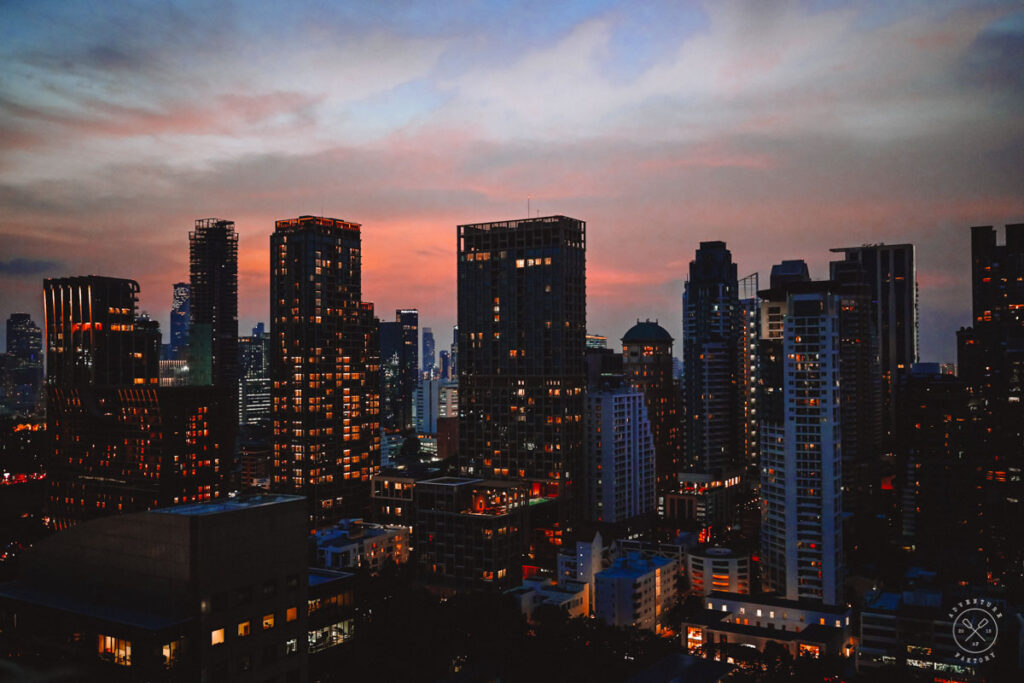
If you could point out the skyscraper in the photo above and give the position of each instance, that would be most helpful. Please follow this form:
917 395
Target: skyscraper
647 365
24 363
522 325
860 382
801 454
991 360
712 350
892 276
324 367
399 369
409 321
91 335
428 352
254 380
180 320
121 443
213 336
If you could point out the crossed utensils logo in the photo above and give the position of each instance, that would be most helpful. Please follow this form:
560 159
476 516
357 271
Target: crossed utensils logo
975 629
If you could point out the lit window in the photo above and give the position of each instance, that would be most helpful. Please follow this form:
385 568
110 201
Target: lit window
291 646
243 629
115 650
268 621
292 614
217 636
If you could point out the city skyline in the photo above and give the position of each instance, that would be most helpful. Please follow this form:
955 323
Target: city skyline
659 127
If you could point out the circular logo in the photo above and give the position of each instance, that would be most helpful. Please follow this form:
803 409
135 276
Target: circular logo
975 629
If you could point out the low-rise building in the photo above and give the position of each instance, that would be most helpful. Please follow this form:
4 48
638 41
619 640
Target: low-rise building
572 597
202 592
712 568
470 533
805 628
355 544
636 591
911 629
331 610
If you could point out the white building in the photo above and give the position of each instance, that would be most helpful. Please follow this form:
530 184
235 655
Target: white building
713 568
582 565
619 455
353 544
636 591
572 597
801 472
434 398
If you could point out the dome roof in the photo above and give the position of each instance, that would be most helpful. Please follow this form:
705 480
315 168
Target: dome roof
647 332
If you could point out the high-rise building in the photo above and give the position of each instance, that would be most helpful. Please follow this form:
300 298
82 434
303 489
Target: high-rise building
860 382
91 335
390 337
801 454
713 340
750 370
120 442
444 362
647 364
180 320
213 304
23 365
428 352
426 405
324 367
991 362
409 321
891 274
455 353
254 377
522 326
619 464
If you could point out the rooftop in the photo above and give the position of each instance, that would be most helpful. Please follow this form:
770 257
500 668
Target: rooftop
777 601
647 331
318 577
244 502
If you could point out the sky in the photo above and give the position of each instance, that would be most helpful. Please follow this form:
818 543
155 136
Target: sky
782 128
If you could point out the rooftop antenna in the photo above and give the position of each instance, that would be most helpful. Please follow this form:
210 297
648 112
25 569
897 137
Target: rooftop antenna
528 212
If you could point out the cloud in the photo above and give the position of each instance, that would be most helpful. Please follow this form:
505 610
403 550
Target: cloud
780 130
20 267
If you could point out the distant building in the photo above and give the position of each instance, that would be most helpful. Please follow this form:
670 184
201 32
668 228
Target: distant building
324 367
254 380
470 533
891 274
444 364
713 344
22 367
355 544
429 366
399 352
213 304
619 464
647 364
636 591
596 341
181 317
213 591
